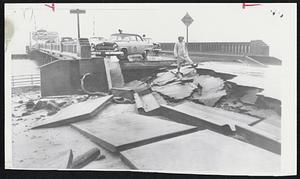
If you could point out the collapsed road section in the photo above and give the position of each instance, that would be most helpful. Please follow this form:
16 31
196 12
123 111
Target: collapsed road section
149 121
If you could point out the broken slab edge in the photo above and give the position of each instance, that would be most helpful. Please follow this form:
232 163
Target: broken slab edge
96 140
127 162
117 149
75 119
180 117
259 138
156 139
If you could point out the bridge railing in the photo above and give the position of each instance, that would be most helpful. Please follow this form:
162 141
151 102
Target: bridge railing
25 80
69 47
81 48
256 47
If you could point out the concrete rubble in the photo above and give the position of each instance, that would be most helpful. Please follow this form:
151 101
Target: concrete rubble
203 109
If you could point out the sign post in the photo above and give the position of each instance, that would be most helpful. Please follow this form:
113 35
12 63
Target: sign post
77 11
187 20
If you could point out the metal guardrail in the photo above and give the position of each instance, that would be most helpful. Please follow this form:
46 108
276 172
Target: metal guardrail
25 80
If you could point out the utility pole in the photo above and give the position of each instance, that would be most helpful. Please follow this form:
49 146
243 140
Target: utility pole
34 23
94 26
187 34
77 11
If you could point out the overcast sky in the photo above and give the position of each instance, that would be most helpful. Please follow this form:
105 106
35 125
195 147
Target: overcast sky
162 22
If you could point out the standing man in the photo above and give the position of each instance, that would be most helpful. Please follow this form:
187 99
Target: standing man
181 53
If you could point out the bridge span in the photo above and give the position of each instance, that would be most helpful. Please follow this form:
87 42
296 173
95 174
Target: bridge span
63 64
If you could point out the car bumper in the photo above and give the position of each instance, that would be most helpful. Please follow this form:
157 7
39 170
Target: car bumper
156 49
106 53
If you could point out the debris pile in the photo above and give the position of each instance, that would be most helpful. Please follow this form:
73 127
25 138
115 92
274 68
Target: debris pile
215 89
200 99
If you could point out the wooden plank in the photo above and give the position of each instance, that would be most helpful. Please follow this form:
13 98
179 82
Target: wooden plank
129 130
76 112
203 152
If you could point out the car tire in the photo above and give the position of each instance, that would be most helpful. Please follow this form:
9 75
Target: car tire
123 57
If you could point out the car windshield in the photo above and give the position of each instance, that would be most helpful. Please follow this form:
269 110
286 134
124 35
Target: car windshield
67 39
98 38
124 38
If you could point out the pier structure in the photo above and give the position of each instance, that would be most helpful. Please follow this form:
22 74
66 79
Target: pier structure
64 63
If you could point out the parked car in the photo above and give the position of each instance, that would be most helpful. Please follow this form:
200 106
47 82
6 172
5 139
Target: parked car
155 46
67 39
122 45
96 40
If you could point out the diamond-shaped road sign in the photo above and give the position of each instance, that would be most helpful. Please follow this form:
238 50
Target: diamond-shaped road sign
187 19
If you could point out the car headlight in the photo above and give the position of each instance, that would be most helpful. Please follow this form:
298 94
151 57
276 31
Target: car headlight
115 46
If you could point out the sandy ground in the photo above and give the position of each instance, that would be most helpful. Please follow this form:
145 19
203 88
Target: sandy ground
35 148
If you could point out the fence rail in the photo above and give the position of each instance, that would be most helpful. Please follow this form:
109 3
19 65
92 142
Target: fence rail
25 80
254 47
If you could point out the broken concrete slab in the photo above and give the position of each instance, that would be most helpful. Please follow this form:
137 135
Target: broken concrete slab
203 152
164 78
274 122
209 99
146 103
260 137
250 97
269 128
159 98
209 84
264 102
175 91
140 130
170 76
138 86
204 71
76 112
123 92
212 118
209 89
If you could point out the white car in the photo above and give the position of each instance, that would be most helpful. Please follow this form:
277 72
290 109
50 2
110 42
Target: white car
122 45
